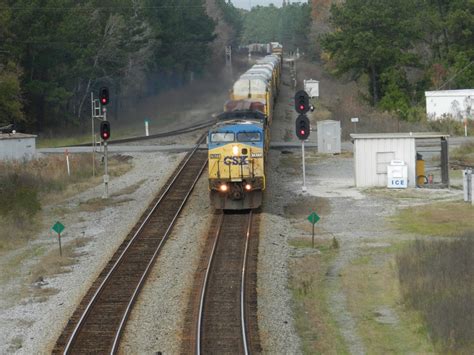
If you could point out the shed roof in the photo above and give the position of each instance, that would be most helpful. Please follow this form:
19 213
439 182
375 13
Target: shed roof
463 92
16 135
398 135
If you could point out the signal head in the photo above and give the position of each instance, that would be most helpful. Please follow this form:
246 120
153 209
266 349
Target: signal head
105 130
302 127
301 102
104 95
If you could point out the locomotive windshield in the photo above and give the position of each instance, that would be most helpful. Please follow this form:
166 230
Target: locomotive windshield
248 137
219 137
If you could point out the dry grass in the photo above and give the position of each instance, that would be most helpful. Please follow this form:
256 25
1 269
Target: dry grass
14 234
314 323
464 154
96 204
372 294
306 205
129 189
27 185
437 280
439 219
52 263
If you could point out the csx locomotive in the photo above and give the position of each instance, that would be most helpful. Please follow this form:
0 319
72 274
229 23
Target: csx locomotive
238 143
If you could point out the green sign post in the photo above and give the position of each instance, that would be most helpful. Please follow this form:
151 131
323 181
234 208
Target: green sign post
313 218
58 228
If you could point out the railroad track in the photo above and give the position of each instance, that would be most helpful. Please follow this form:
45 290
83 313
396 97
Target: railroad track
222 316
98 322
191 128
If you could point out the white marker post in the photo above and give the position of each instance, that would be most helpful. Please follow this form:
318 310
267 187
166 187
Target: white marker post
67 163
304 171
147 133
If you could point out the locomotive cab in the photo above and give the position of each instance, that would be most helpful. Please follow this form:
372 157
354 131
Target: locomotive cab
236 165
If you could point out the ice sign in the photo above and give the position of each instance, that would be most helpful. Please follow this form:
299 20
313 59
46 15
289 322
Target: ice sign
397 175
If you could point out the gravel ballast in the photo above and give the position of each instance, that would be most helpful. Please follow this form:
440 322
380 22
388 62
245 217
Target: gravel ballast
32 324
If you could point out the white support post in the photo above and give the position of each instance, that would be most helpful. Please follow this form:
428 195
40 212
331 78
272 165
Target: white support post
304 172
106 170
93 134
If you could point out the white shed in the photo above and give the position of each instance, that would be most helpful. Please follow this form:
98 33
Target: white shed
373 152
17 146
455 103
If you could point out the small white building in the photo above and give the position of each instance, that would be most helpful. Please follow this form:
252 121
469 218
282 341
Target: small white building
17 146
373 153
457 104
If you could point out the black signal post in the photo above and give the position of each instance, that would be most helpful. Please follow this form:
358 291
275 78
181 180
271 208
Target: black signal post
302 127
302 102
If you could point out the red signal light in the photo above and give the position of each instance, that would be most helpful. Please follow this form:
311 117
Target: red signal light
104 95
302 126
301 102
105 130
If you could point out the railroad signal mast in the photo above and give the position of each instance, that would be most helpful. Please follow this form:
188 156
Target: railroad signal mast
302 125
99 111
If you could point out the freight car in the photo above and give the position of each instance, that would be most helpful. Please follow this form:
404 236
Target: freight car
238 143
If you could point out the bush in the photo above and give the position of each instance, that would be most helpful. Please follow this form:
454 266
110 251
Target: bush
19 196
436 279
448 125
23 184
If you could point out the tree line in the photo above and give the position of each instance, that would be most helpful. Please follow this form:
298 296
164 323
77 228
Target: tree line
288 25
53 53
402 47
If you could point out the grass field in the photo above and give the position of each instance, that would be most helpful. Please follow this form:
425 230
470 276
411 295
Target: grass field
318 330
405 295
436 274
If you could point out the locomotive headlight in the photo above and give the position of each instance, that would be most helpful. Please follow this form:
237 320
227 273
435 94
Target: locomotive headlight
235 150
248 187
223 188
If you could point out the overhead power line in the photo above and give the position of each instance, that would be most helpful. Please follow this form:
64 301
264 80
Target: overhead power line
455 75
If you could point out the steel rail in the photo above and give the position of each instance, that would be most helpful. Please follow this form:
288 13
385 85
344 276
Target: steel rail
176 132
148 268
204 286
119 259
242 286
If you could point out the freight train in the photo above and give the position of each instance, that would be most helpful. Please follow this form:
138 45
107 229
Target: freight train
238 143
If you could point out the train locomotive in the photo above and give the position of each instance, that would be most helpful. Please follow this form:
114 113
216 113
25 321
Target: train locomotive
238 143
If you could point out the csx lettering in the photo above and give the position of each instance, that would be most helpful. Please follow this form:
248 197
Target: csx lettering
236 160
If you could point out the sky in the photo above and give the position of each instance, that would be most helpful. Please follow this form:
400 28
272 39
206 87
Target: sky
245 4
